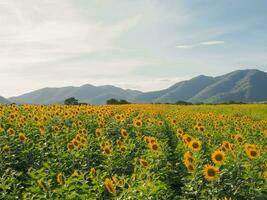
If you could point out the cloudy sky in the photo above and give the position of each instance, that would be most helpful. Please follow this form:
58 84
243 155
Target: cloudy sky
137 44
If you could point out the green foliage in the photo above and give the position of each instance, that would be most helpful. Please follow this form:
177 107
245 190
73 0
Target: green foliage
71 101
117 102
44 165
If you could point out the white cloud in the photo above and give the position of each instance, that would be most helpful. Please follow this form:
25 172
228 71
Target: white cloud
211 43
207 43
185 46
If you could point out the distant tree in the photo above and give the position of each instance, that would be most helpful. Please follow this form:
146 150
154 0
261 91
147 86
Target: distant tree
117 102
112 101
183 103
122 101
71 101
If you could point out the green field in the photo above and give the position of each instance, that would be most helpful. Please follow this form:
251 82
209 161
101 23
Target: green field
133 152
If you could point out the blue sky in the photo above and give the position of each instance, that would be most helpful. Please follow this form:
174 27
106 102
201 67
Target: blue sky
140 44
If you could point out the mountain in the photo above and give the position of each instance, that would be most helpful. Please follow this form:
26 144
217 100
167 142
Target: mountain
180 91
3 100
86 93
239 86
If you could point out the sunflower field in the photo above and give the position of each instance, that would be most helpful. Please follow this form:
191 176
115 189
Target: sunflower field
133 152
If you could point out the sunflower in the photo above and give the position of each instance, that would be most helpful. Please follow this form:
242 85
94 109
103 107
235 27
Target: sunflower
253 153
42 185
114 179
190 167
109 185
188 158
210 172
6 148
195 145
249 146
124 133
60 179
98 132
12 116
75 142
265 175
11 132
93 171
160 123
226 145
22 137
70 146
239 138
107 150
218 157
138 123
1 129
154 146
75 173
123 148
144 163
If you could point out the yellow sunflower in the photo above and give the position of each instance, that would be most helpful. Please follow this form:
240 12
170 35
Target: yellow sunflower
110 186
218 157
210 172
195 145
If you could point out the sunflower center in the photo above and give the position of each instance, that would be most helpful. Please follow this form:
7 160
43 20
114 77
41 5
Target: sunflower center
195 145
211 172
253 153
219 157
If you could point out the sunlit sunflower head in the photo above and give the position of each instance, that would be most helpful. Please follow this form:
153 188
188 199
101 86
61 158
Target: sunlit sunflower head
195 145
218 157
265 175
253 153
6 149
110 186
187 139
188 158
22 137
143 162
60 179
210 172
138 123
123 148
98 132
107 150
70 146
75 142
190 167
239 138
147 139
75 173
124 133
11 132
93 171
250 146
154 146
226 145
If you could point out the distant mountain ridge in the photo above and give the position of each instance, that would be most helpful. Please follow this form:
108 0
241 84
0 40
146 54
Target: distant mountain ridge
239 86
4 100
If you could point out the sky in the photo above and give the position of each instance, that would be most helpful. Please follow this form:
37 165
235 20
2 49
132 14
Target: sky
141 44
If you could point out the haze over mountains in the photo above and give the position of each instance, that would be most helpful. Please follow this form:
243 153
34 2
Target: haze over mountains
238 86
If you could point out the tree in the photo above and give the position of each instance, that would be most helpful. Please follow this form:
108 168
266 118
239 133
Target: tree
183 103
71 101
112 101
117 102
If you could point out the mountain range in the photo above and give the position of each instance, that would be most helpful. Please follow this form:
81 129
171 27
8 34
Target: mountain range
4 100
238 86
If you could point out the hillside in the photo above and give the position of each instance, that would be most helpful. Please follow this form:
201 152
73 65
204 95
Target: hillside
3 100
86 93
241 85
